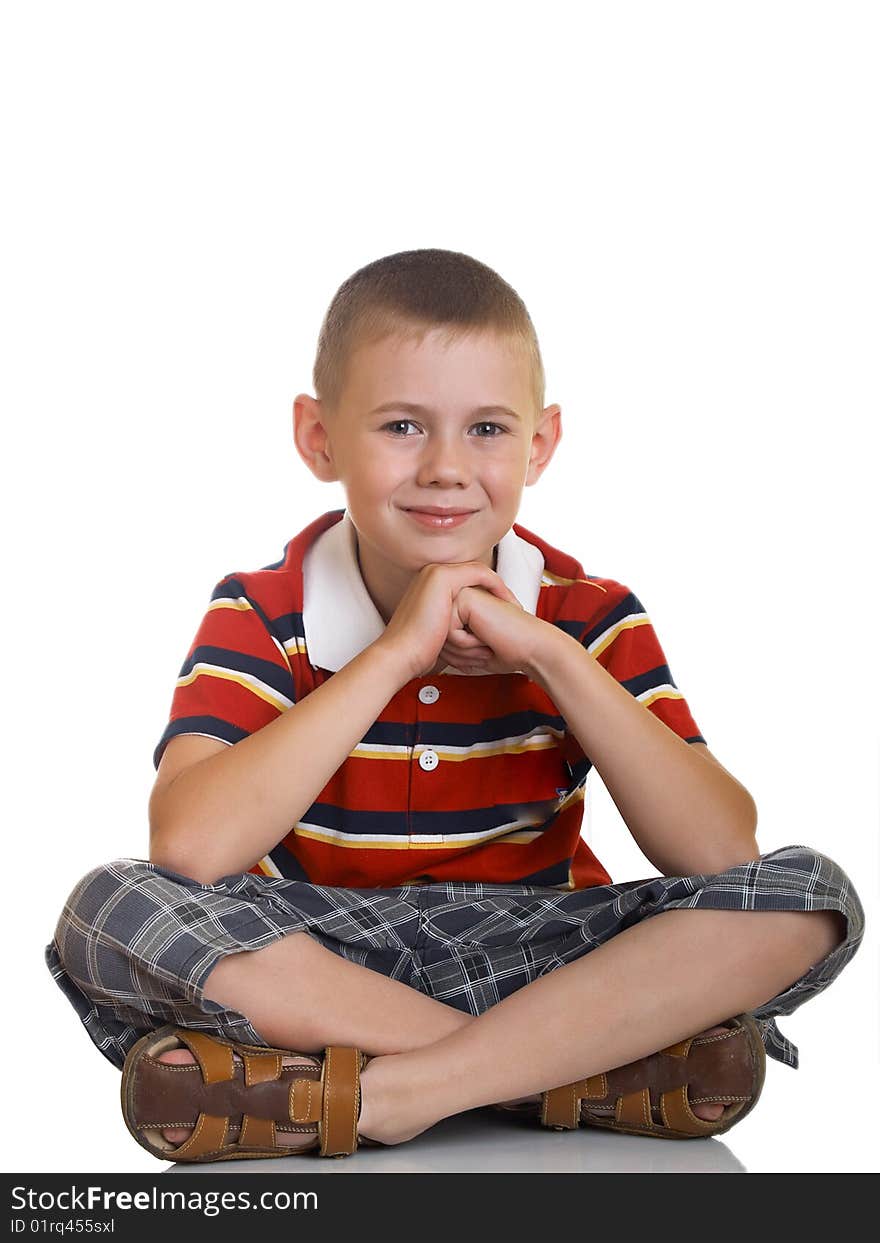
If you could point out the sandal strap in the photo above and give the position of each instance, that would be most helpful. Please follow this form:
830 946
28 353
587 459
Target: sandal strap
677 1115
209 1136
257 1132
214 1058
217 1063
561 1107
341 1100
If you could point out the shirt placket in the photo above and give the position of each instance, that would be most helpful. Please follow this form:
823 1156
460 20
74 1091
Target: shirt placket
425 759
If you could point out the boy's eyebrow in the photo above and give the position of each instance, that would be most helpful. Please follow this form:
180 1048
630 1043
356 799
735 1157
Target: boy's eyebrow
413 408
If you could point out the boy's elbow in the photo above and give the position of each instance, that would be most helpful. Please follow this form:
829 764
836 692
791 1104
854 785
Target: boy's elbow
747 852
739 846
714 858
180 867
168 844
171 858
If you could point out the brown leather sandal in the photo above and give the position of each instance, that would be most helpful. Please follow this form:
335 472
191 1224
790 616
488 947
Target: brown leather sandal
237 1097
653 1095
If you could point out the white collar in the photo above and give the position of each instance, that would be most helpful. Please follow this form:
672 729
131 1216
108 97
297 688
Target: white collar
339 617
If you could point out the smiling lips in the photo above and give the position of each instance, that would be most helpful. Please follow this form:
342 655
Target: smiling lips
439 518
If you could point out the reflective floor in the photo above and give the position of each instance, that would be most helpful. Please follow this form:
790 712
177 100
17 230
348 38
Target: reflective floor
490 1143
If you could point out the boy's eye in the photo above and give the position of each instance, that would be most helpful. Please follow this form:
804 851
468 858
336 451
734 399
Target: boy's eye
409 423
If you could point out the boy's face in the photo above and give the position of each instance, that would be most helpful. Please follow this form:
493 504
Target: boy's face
448 454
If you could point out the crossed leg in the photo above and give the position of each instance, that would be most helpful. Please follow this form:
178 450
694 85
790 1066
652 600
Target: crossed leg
671 976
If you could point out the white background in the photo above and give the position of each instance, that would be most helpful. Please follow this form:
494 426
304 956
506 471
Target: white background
686 197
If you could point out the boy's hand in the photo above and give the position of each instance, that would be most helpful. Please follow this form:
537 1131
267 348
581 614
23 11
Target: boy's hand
429 622
499 636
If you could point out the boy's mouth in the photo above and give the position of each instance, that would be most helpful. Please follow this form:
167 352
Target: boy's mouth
440 518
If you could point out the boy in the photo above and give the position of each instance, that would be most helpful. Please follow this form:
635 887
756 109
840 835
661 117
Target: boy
420 687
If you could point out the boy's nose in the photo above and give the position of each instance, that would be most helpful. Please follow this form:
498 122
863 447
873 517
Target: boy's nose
442 463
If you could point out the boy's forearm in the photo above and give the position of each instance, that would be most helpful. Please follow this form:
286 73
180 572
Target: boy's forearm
687 814
226 812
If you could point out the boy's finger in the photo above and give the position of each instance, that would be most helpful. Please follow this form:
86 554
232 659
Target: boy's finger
466 645
497 588
469 650
464 638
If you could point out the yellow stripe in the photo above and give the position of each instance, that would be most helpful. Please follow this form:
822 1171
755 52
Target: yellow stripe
549 579
228 603
516 837
227 675
661 694
268 868
477 752
628 623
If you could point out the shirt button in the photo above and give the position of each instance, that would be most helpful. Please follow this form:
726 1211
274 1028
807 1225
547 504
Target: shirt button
428 760
429 694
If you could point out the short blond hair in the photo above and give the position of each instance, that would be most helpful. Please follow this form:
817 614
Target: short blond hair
414 292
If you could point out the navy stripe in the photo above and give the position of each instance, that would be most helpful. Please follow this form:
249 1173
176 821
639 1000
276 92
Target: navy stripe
556 874
573 628
276 676
492 729
649 680
289 626
287 863
462 734
629 604
385 823
211 725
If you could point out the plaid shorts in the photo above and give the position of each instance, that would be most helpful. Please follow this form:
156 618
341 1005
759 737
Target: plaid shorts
135 943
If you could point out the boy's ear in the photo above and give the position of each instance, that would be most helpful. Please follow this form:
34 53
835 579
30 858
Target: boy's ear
545 438
311 439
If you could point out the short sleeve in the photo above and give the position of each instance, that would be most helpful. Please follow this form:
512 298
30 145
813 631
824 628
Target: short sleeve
625 643
236 677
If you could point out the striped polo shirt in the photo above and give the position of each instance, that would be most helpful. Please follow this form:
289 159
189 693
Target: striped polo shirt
461 777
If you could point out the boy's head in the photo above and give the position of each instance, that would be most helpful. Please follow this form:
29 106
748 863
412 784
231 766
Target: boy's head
437 330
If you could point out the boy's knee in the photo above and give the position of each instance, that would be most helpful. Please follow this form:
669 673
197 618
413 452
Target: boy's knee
811 873
95 898
97 886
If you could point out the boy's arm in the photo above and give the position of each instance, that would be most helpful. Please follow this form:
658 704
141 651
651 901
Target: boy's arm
224 813
687 814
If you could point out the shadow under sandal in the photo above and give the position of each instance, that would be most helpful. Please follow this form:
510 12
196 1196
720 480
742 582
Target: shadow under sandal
653 1095
238 1096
